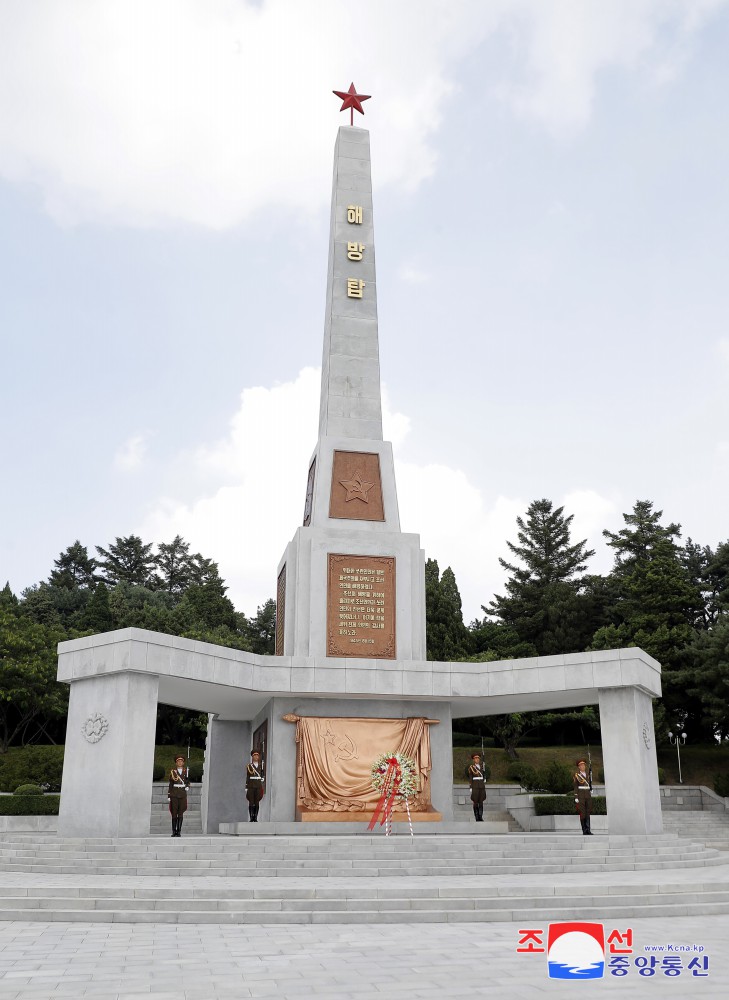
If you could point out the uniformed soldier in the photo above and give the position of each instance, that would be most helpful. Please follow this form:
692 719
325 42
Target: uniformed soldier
477 781
177 794
583 796
254 785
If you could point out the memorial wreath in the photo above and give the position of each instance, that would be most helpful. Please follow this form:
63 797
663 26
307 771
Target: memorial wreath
395 773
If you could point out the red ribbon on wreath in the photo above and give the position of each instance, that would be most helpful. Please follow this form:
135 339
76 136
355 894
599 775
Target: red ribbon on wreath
390 788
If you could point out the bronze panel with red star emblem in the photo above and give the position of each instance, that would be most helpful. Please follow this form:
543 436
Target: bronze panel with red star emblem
361 606
356 486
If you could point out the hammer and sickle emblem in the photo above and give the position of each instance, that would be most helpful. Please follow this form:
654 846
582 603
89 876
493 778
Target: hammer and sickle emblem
346 749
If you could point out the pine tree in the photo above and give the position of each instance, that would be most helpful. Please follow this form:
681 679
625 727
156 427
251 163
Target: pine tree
128 560
446 636
545 603
657 605
173 561
97 616
74 568
8 600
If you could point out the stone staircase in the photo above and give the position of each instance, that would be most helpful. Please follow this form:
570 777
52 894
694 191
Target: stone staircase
709 828
494 810
331 879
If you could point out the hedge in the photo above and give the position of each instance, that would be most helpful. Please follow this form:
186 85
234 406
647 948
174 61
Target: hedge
721 785
565 805
29 805
37 765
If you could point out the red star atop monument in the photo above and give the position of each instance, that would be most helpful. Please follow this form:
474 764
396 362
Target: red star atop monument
352 100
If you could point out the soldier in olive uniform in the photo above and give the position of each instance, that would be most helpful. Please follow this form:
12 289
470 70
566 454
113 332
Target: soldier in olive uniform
254 785
477 781
583 796
177 794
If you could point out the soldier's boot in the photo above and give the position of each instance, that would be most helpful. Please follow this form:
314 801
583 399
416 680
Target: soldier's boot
174 826
480 812
255 813
250 813
179 826
588 831
475 810
583 824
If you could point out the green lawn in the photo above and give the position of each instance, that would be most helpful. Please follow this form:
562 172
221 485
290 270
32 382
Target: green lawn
699 764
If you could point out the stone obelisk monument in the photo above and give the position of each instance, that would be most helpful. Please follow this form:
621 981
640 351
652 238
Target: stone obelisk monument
351 584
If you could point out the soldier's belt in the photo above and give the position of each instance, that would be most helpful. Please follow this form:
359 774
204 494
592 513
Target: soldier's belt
178 786
477 779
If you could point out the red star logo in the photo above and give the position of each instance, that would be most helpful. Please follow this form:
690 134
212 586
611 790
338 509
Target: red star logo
352 100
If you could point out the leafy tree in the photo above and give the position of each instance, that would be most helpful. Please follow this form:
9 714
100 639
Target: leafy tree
261 629
544 603
204 607
128 560
29 692
447 637
74 568
173 561
49 605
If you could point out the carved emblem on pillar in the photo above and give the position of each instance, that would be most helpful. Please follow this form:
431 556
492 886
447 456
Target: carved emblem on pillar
95 728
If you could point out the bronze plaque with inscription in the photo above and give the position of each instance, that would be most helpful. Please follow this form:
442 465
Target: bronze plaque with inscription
280 611
361 606
356 486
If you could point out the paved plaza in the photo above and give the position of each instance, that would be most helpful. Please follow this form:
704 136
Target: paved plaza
50 960
40 961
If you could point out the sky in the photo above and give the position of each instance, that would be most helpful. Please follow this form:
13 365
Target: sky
551 220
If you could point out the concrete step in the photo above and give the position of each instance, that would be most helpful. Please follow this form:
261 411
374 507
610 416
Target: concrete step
334 857
288 906
339 879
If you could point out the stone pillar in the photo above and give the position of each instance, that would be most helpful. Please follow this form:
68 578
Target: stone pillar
107 768
223 792
629 757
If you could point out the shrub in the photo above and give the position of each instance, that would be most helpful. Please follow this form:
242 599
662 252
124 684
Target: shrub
661 776
196 771
29 805
37 765
721 785
525 774
28 790
565 805
555 777
158 772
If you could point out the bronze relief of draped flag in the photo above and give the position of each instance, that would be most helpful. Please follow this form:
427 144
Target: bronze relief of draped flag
335 757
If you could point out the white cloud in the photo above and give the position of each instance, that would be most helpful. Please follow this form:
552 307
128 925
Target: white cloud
412 275
568 44
130 456
176 111
254 500
723 348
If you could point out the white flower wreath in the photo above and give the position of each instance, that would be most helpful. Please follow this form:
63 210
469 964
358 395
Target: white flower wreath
408 774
